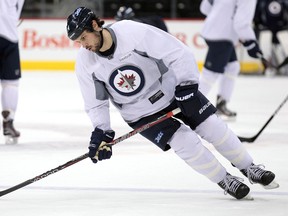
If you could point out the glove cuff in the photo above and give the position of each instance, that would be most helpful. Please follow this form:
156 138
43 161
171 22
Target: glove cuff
251 44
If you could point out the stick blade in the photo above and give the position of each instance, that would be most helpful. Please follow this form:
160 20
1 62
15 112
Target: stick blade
247 139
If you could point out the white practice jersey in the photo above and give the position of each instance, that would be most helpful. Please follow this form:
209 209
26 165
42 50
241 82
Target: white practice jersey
139 78
228 20
10 11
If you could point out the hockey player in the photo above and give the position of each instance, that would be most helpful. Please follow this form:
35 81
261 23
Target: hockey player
272 15
227 22
127 13
145 72
10 71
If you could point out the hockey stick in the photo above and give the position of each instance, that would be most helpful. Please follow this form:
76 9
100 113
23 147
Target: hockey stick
252 139
20 22
266 63
84 156
285 62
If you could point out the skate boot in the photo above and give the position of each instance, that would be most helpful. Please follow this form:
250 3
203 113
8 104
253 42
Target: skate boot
223 111
11 135
234 186
257 174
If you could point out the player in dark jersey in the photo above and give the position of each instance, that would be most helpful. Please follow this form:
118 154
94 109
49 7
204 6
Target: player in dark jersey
127 13
272 15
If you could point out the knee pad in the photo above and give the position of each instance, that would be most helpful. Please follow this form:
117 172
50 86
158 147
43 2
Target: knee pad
232 69
207 130
189 148
224 141
207 80
10 83
186 143
227 84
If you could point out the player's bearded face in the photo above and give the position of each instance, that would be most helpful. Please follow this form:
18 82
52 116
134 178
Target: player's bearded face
96 42
91 41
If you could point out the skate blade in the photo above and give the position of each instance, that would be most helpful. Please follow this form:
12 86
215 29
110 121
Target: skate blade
227 118
272 185
11 140
248 197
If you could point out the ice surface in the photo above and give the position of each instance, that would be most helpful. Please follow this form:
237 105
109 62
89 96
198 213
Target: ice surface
139 180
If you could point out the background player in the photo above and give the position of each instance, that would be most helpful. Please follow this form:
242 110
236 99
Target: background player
127 13
10 71
272 15
227 22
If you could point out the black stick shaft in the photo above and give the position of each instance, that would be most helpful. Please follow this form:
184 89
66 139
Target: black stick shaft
43 175
82 157
253 138
285 62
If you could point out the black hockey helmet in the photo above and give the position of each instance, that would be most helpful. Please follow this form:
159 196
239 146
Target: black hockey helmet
124 13
78 21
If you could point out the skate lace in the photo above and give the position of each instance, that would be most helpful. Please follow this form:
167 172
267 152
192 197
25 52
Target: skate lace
232 183
255 172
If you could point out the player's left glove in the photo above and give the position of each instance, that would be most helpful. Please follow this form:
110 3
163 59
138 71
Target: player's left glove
98 149
184 96
253 48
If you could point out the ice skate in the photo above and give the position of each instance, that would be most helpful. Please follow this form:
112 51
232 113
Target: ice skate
234 186
257 174
223 111
11 135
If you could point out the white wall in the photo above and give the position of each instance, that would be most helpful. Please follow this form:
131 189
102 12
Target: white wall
44 44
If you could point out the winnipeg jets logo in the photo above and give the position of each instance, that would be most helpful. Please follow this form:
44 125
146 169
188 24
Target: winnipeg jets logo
127 80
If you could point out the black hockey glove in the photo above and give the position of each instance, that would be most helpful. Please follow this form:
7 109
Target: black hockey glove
98 150
184 96
253 49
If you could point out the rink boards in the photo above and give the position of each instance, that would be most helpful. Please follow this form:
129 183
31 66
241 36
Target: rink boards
45 46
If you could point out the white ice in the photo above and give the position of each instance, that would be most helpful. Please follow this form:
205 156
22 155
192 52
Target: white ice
140 179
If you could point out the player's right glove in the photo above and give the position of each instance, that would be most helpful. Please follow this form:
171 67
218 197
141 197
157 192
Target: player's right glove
184 96
98 149
253 48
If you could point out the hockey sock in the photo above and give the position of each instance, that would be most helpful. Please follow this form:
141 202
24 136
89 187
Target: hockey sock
9 97
188 147
207 80
215 131
228 79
